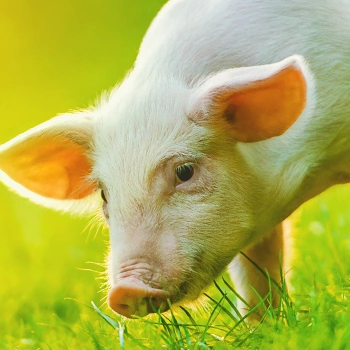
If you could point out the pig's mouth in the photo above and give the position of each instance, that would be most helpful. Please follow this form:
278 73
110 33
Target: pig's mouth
132 298
138 290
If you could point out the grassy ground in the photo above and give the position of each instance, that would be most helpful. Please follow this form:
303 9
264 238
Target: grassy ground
58 56
47 288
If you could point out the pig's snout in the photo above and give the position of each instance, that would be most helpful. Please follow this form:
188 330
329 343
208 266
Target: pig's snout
132 297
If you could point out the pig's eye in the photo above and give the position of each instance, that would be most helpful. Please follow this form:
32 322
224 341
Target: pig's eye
103 196
184 172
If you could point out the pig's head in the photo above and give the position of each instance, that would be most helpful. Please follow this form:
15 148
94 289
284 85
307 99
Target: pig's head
178 194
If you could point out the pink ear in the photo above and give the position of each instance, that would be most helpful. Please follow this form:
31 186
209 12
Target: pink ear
256 103
48 162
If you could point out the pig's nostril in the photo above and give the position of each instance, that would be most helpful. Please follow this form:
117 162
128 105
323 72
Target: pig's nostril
123 306
132 297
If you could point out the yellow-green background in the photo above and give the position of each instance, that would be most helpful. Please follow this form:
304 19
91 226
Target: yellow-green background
60 55
55 56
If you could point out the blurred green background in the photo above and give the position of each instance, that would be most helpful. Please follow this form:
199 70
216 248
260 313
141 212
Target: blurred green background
60 55
55 56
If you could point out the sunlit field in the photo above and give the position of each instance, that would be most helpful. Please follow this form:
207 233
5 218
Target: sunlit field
58 56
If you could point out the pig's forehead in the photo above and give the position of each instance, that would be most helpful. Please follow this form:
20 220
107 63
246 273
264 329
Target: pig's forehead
131 140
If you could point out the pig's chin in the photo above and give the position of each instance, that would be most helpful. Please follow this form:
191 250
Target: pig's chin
190 292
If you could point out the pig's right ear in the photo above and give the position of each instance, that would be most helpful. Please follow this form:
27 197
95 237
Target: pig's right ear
51 163
254 103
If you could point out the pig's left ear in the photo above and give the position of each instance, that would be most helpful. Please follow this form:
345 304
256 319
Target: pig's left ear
51 163
254 103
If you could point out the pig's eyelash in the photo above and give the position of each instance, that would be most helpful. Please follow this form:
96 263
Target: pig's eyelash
182 159
178 158
102 188
103 196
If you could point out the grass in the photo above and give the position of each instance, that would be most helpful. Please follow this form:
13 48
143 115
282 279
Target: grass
52 305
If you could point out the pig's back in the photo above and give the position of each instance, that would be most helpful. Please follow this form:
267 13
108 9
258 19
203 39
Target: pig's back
190 39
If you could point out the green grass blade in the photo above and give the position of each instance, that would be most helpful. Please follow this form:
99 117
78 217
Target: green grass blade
236 294
190 318
210 319
275 284
229 301
251 311
223 308
108 319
